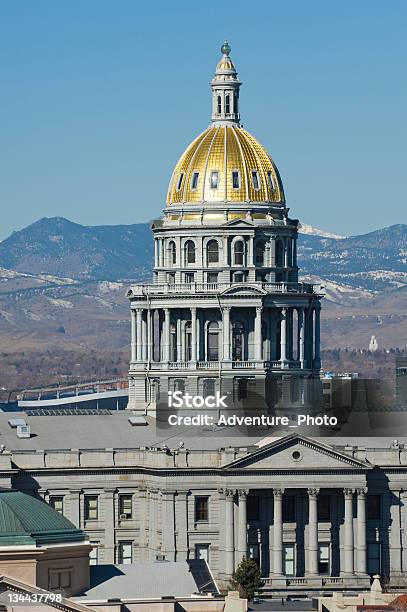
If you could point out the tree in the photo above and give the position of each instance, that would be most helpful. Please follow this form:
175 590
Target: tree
246 578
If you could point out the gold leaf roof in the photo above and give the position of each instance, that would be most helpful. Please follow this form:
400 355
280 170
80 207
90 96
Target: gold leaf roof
225 149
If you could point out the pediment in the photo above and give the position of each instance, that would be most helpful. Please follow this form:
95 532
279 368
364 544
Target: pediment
296 452
239 222
12 585
244 289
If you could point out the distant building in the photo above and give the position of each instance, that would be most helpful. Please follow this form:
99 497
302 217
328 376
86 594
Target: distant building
373 344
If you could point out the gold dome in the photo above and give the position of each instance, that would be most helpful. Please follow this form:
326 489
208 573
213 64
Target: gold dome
225 64
225 164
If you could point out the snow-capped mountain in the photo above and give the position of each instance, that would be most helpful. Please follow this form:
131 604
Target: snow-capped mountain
315 231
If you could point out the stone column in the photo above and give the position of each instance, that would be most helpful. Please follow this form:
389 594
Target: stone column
283 341
74 507
109 525
348 542
156 253
181 522
179 340
229 533
317 355
301 337
278 532
273 252
257 334
193 334
162 248
167 335
242 527
139 339
226 333
313 531
149 335
133 335
249 255
361 531
225 251
168 530
144 335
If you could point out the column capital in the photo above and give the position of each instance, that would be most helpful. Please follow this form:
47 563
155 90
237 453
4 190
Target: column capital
361 492
313 492
226 308
278 493
348 493
243 493
259 309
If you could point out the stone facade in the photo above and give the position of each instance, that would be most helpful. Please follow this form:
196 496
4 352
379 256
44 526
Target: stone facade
314 515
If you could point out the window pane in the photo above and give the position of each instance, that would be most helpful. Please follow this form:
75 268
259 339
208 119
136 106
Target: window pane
57 502
201 509
125 553
214 179
213 251
91 507
227 104
235 179
126 505
288 559
255 177
239 253
219 104
194 182
271 182
323 558
202 552
212 277
179 184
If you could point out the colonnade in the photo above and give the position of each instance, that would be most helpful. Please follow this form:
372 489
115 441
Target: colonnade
279 251
350 567
299 341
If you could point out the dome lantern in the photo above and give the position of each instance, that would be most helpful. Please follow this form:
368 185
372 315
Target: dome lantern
225 90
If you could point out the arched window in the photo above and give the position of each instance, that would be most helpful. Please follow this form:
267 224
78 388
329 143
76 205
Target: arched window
172 249
260 246
213 341
237 341
188 341
212 251
279 253
190 252
227 104
238 253
219 105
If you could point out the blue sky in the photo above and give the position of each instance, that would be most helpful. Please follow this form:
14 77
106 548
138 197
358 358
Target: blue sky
99 98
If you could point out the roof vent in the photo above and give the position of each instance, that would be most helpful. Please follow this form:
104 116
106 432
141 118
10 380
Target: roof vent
137 420
23 431
16 422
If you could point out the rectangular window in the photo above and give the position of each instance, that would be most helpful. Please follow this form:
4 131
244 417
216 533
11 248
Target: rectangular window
214 179
373 507
194 181
236 179
202 552
57 502
179 184
59 579
271 182
125 553
94 554
324 513
227 104
171 278
91 507
126 506
289 508
289 559
201 509
189 277
212 277
324 559
239 277
373 558
253 508
256 180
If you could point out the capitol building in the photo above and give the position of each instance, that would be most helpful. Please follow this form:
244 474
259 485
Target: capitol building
225 302
317 515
